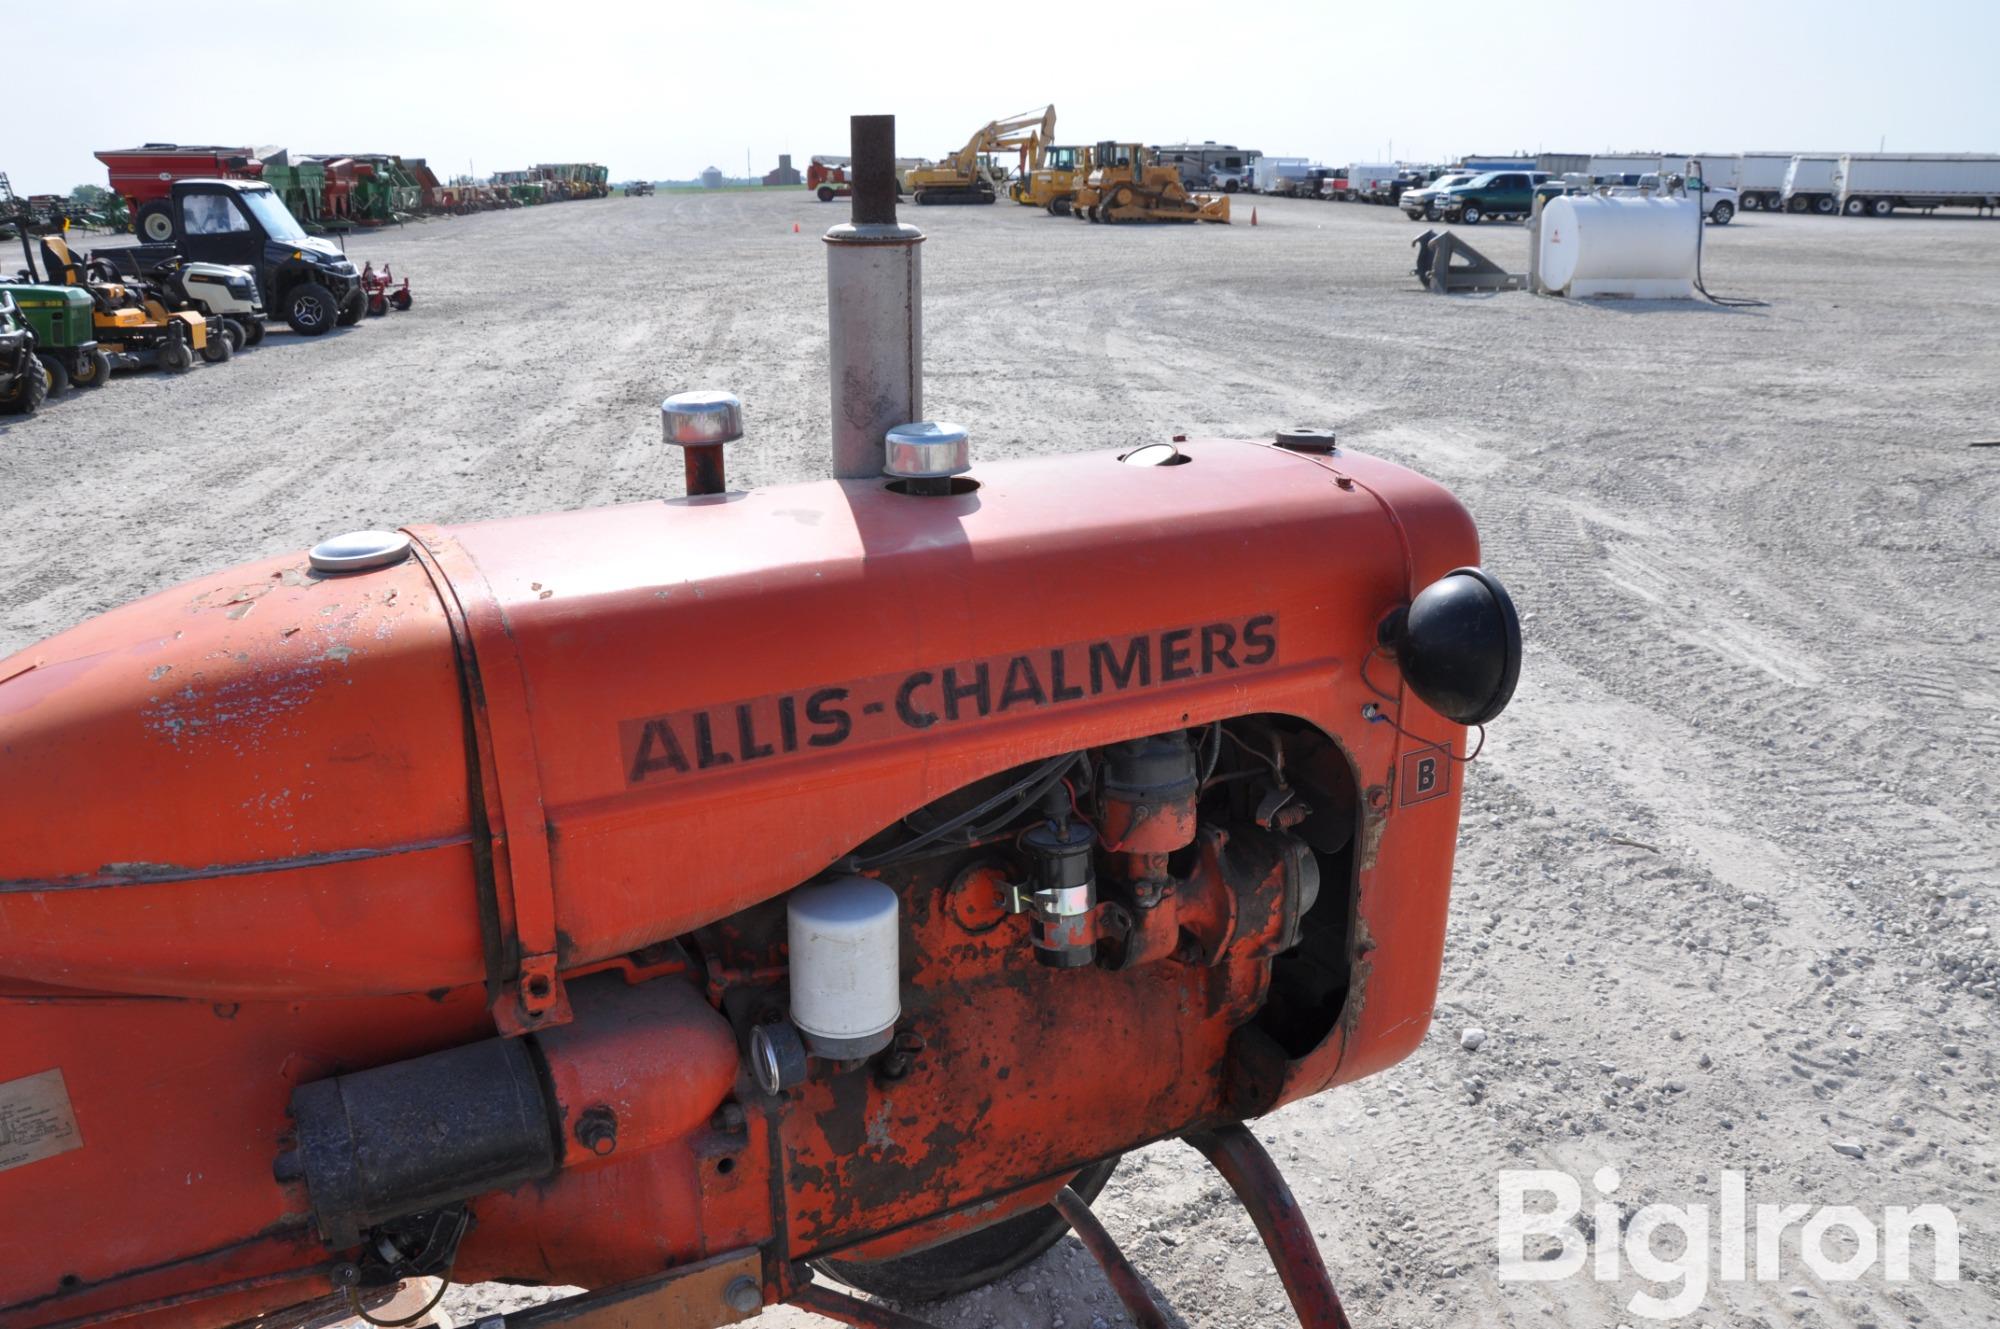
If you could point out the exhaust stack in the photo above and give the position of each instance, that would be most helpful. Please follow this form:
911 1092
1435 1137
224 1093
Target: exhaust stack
874 306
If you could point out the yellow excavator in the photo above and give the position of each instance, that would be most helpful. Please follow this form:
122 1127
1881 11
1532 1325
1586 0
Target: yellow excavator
1127 183
1050 181
970 175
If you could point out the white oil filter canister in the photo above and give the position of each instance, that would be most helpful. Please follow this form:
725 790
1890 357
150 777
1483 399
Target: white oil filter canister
846 984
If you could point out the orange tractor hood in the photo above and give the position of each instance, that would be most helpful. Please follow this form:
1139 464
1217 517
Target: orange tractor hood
582 733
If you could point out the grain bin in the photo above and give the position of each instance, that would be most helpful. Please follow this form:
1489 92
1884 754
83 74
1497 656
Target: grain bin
1605 245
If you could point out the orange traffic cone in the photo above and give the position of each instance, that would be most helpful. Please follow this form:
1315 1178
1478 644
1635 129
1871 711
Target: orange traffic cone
1253 216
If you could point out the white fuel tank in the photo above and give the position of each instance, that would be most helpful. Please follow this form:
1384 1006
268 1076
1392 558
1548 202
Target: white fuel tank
1592 244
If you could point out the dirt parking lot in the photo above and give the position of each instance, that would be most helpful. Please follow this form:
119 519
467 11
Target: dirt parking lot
1728 869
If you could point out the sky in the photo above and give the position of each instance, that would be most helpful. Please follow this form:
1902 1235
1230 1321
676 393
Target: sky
663 90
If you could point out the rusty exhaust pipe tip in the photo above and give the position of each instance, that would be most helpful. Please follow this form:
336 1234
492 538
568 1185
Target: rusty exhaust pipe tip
872 148
874 308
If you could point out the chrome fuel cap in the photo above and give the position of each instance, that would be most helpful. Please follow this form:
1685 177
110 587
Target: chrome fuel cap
927 450
692 419
359 551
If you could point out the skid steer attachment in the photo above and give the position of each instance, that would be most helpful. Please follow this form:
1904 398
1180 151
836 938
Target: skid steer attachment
1446 263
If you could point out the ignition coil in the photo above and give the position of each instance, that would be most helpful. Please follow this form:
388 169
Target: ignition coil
1062 888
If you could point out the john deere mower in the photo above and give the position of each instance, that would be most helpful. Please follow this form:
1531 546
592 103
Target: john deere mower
65 339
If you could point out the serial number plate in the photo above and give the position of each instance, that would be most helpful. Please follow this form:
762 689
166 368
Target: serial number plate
36 1121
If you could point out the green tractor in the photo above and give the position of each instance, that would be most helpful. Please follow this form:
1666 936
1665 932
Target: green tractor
23 380
65 338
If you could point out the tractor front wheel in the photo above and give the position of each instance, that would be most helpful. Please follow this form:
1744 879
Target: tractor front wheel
58 375
310 309
218 349
91 370
972 1261
253 331
177 357
234 333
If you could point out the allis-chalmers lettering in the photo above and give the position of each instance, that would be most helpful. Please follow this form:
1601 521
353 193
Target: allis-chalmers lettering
873 709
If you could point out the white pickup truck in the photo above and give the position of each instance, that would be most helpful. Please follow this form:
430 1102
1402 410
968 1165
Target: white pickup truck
1718 202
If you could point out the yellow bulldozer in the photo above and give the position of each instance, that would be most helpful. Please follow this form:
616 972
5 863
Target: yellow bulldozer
972 174
1127 183
1050 180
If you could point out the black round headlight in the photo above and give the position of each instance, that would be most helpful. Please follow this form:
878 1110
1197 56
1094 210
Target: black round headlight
1459 645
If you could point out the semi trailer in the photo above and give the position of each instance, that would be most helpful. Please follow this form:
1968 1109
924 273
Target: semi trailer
1634 163
1761 177
1875 184
1809 184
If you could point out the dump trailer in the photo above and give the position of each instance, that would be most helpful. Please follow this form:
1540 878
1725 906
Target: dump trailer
1875 184
672 900
1809 184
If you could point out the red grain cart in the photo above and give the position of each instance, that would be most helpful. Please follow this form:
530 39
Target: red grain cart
144 177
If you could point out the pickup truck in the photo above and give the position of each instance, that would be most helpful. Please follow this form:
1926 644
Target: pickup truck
1421 203
1718 202
1494 194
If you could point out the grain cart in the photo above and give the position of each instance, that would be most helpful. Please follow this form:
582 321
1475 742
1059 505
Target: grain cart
299 184
144 178
1126 184
306 281
673 899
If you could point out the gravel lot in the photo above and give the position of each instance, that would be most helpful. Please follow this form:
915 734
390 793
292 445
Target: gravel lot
1728 867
